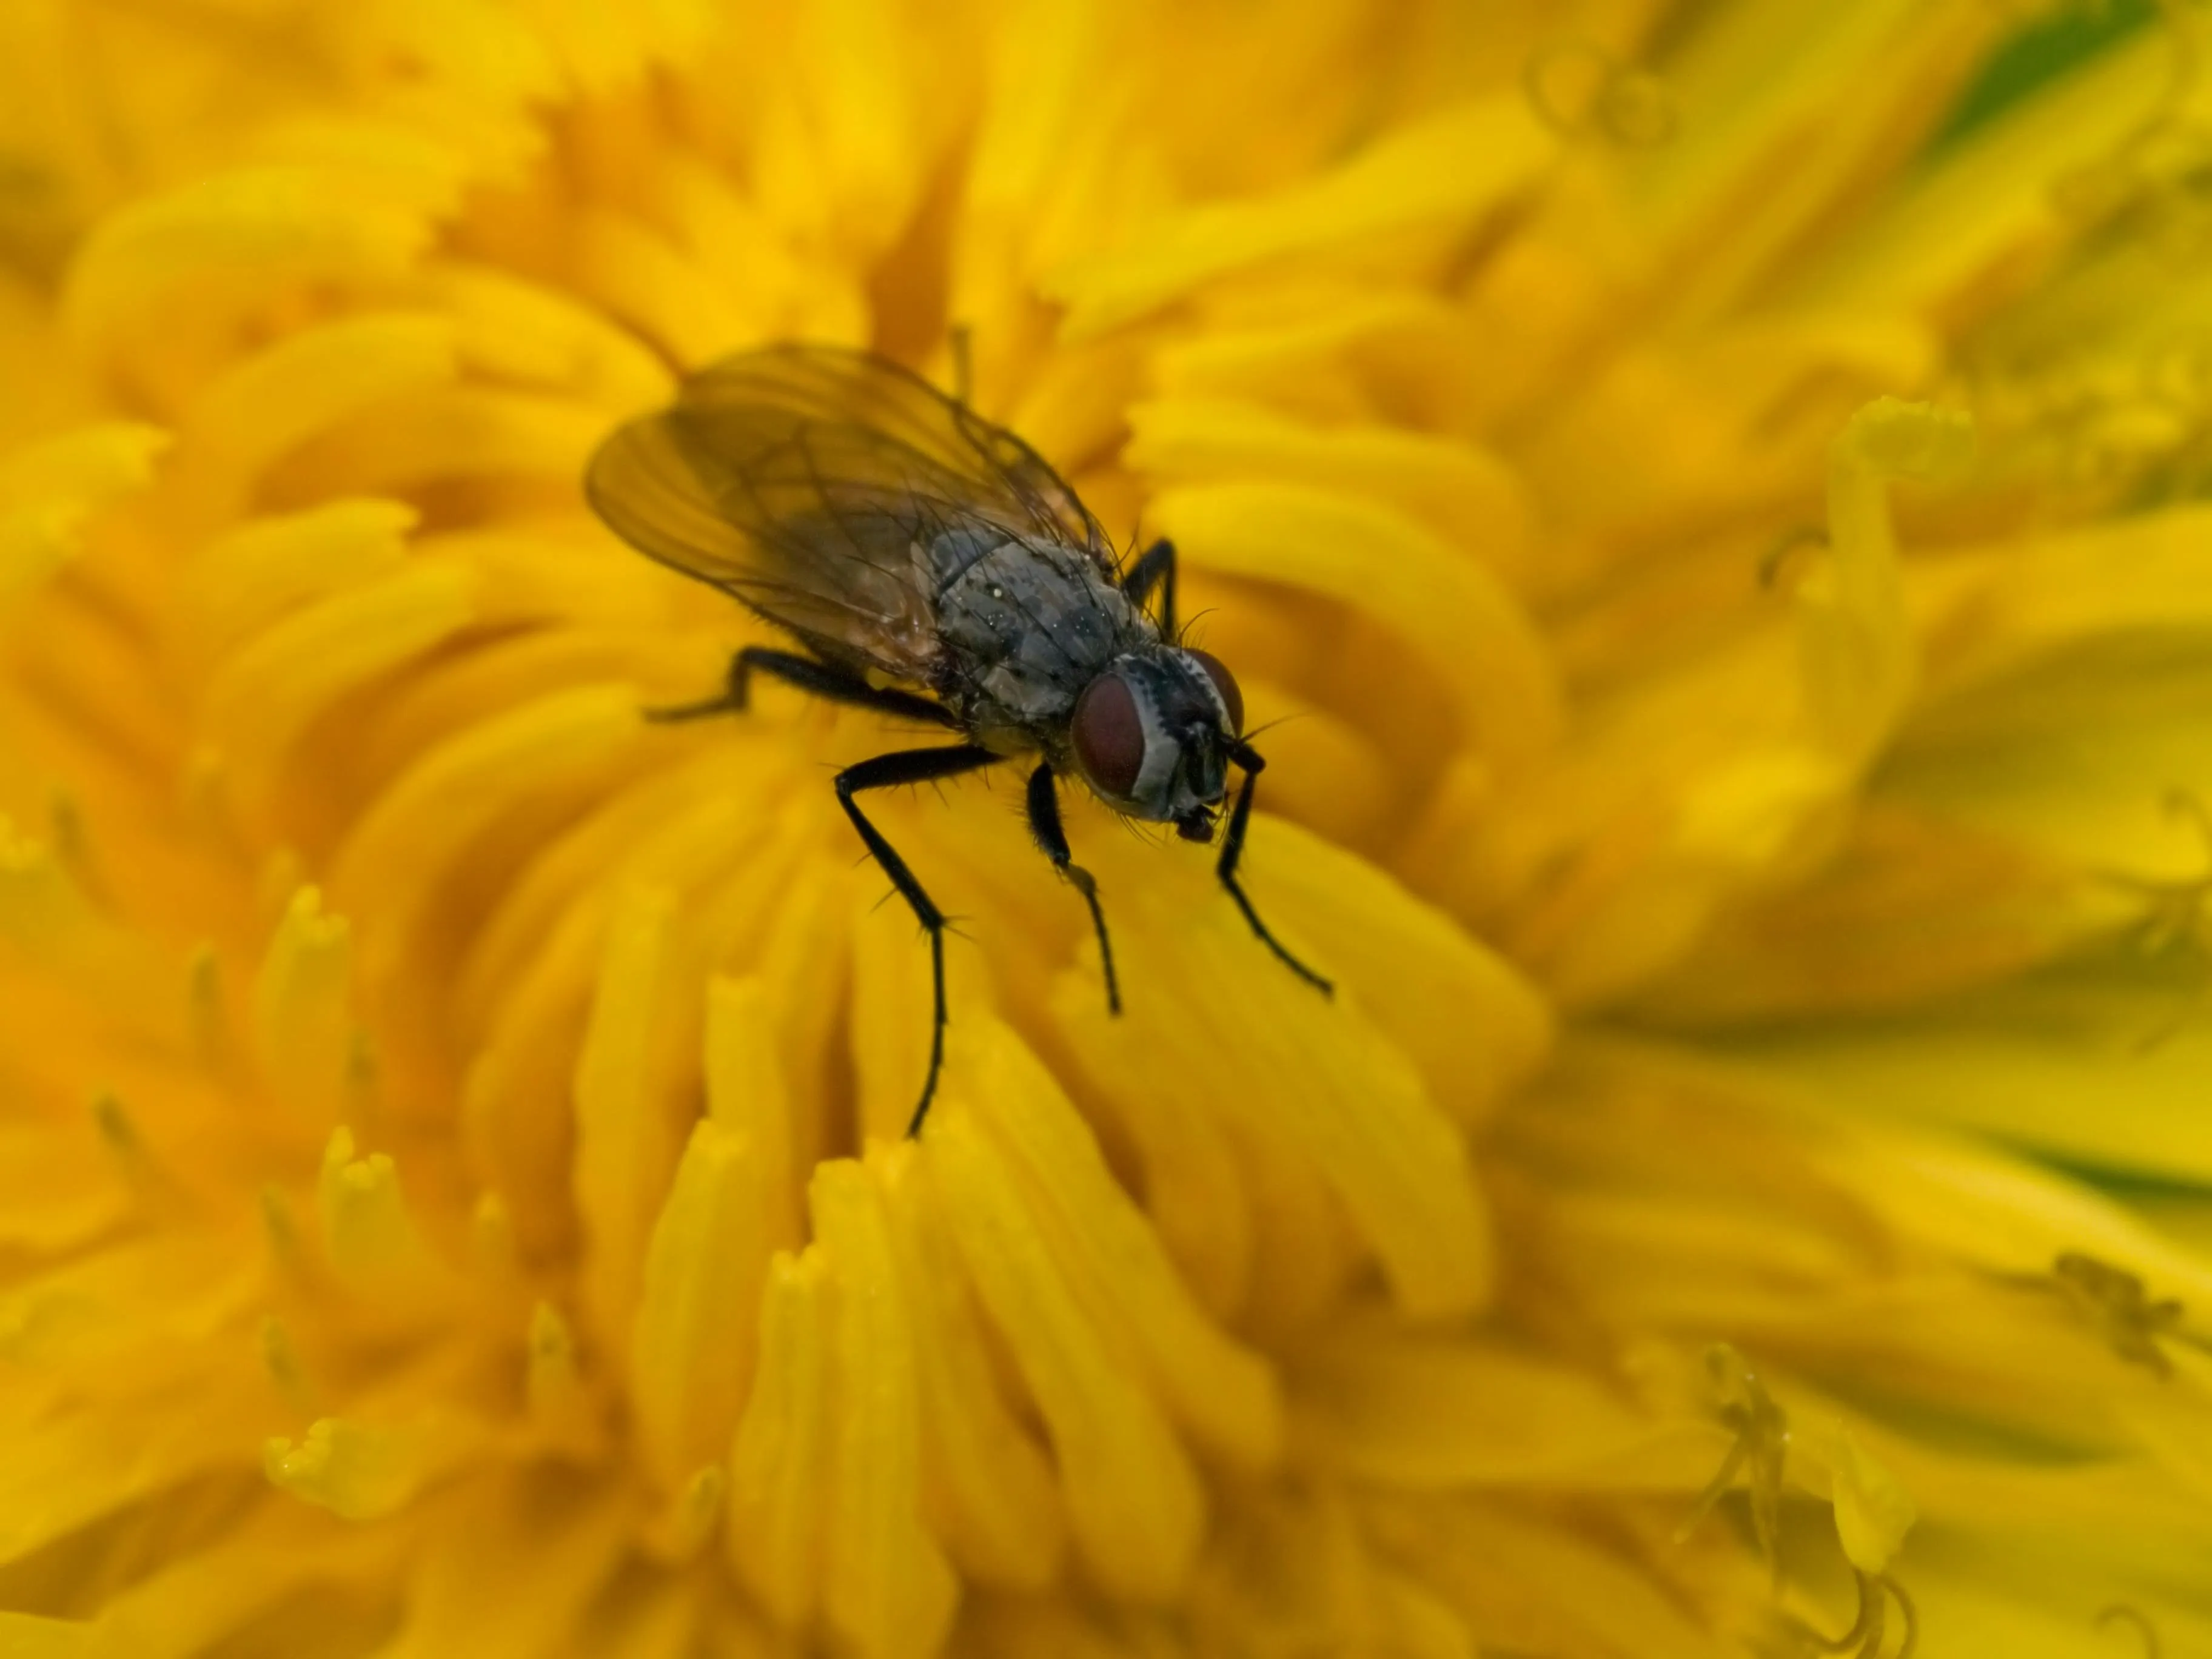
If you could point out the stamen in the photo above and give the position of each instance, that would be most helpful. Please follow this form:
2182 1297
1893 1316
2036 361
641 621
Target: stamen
886 1585
1223 1394
1135 1503
1858 657
281 1228
280 1357
553 1385
1790 557
679 1532
990 1488
2121 1614
204 794
690 1356
358 1471
1910 1644
2176 920
492 1248
302 1010
2116 1305
208 1017
42 910
625 1144
1870 1627
1872 1511
1865 1631
49 492
1761 1447
2134 168
71 842
358 1093
779 1461
119 1134
1578 87
366 1230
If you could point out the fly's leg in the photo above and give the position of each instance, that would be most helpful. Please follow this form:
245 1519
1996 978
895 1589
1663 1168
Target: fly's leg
1155 568
1044 824
1232 848
824 680
885 771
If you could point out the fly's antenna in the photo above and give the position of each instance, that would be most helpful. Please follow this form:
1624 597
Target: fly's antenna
1279 719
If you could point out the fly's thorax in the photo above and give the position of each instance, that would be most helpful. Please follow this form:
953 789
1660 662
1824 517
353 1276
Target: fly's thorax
1152 734
1024 624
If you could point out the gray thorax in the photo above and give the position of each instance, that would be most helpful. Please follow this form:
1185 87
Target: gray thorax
1024 624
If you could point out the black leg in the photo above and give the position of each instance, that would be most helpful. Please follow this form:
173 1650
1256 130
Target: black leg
825 680
913 766
1156 567
1232 848
1044 824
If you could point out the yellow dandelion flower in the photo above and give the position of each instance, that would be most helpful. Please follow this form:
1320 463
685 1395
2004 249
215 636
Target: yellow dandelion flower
1713 496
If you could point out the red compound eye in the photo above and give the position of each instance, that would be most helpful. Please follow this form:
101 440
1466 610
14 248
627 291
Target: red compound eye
1224 683
1108 735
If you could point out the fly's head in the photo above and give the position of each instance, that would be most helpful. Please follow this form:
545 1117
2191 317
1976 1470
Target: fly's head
1153 736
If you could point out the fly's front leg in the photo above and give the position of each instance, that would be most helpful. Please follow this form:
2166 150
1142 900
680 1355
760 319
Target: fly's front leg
1155 568
1044 824
825 680
913 766
1232 848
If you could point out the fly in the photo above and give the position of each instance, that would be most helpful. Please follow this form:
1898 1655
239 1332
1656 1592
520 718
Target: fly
898 535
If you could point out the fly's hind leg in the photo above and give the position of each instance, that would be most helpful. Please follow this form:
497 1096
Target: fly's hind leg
1155 568
1232 848
1044 824
885 771
825 680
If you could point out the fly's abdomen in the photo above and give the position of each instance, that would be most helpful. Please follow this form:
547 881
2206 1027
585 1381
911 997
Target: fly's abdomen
1025 626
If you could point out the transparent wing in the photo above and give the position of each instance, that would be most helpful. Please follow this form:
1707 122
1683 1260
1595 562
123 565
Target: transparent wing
808 482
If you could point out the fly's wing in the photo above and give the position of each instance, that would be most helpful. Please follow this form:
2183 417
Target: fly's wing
809 483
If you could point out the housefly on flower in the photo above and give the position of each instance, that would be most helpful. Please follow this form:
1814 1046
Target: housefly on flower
932 567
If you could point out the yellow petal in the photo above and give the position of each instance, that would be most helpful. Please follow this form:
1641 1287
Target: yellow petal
1134 1501
1455 167
779 1461
885 1582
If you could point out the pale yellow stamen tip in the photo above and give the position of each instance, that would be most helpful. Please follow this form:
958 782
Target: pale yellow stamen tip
302 1011
491 1238
352 1469
1872 1511
553 1384
42 910
685 1528
1857 656
370 1237
50 491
